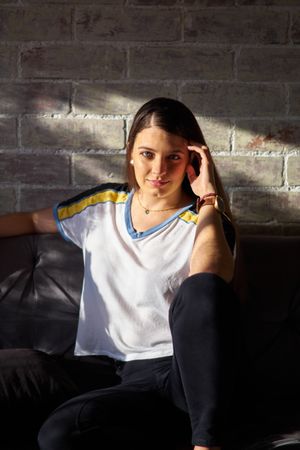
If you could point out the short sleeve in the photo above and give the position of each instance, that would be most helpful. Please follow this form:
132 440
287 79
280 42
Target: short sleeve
72 215
71 228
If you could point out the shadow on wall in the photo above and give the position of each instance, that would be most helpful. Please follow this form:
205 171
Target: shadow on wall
71 149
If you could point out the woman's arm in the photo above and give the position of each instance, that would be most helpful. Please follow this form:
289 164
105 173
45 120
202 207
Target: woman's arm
41 221
211 252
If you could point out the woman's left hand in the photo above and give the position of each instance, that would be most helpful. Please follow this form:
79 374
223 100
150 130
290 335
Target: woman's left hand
204 183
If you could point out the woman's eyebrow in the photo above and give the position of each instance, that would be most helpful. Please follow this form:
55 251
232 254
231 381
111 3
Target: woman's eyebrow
175 150
146 148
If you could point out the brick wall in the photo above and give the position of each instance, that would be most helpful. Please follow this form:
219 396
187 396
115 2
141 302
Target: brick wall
73 73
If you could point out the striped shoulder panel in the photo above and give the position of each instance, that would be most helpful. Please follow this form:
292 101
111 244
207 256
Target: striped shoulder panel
112 193
189 216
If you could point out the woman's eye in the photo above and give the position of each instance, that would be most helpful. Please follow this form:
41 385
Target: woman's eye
175 157
147 154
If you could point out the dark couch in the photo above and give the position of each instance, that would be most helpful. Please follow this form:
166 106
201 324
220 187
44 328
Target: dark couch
40 281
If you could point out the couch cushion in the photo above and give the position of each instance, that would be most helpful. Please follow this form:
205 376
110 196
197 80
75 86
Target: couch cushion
40 285
268 397
32 384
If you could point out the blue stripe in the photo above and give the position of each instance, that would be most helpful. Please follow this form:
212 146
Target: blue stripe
141 234
58 224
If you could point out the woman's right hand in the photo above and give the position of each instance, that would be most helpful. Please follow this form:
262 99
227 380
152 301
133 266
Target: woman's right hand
204 182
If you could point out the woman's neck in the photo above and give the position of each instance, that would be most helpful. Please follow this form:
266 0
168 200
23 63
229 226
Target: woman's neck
143 217
160 203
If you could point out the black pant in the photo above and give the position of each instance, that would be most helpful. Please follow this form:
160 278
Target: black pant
197 382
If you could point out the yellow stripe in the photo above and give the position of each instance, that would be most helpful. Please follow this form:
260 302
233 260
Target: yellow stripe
189 216
66 212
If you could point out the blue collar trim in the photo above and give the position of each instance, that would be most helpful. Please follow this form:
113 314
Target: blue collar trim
141 234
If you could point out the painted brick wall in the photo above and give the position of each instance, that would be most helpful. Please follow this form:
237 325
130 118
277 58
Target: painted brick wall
73 73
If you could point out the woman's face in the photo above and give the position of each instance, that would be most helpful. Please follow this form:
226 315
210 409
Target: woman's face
160 160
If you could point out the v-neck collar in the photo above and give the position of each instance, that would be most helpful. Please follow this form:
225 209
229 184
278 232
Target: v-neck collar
141 234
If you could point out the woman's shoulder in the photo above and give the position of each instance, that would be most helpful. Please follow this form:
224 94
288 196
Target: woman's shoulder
98 190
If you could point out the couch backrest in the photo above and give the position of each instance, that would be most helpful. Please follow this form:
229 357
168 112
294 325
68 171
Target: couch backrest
41 276
269 278
40 284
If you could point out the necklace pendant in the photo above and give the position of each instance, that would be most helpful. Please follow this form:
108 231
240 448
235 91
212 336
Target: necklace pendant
147 211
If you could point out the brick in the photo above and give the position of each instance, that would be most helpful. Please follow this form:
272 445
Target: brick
8 133
128 24
271 64
98 168
258 206
234 99
72 133
293 171
7 200
236 26
209 3
296 27
292 229
20 98
8 62
31 169
35 198
250 170
269 2
74 62
181 63
216 133
112 98
152 2
75 2
35 24
267 135
294 99
285 229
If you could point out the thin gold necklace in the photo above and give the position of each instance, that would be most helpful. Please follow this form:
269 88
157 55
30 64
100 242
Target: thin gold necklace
148 211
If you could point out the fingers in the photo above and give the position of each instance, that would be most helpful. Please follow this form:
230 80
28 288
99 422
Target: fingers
202 150
201 181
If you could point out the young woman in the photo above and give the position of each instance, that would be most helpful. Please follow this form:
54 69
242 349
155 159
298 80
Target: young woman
156 298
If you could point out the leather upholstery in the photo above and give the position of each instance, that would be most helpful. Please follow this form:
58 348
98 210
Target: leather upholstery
40 281
267 407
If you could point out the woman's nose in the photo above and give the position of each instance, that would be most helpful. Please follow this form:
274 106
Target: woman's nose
159 166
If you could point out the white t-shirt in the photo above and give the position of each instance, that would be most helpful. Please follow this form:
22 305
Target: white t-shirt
130 278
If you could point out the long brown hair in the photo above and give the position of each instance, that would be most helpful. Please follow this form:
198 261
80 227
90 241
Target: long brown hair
173 117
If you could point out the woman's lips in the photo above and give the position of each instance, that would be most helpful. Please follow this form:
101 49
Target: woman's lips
157 183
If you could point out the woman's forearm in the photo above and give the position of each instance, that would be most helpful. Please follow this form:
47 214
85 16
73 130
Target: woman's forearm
14 224
211 252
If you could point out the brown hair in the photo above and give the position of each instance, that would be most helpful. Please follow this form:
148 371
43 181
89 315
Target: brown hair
173 117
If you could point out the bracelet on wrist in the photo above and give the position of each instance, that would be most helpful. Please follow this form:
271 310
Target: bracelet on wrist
201 200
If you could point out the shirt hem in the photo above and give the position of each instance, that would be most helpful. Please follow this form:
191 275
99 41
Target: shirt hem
59 226
122 357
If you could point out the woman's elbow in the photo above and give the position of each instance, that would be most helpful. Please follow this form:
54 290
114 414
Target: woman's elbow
227 272
224 268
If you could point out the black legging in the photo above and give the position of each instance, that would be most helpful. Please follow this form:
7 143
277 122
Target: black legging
198 379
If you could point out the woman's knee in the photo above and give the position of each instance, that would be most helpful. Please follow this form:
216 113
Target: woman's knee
53 434
203 294
60 430
203 285
86 420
